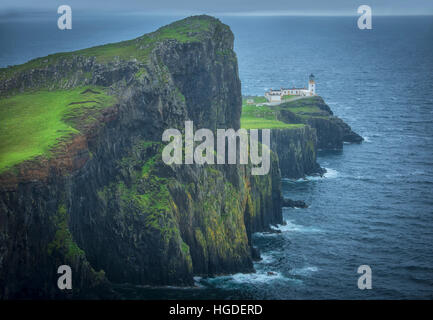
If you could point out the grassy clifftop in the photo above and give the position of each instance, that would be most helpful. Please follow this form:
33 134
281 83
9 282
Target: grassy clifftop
287 115
293 138
190 29
47 100
257 116
34 123
307 111
105 200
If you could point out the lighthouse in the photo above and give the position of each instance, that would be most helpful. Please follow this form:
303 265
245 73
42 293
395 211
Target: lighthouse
279 95
312 85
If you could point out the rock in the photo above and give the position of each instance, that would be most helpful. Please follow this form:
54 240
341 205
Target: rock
109 207
331 131
296 149
293 203
106 204
270 273
272 231
255 254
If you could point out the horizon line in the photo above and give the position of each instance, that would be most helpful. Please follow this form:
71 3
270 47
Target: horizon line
15 12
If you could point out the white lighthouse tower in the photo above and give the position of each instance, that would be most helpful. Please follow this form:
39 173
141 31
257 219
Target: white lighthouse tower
312 85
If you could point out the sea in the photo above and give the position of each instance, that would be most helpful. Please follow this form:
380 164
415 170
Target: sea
373 207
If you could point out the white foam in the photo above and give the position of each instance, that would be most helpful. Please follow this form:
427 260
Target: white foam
265 234
305 271
266 258
330 173
259 277
292 227
197 281
367 139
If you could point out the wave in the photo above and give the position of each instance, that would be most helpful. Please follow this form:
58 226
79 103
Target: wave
198 282
266 234
305 271
257 277
266 258
292 227
363 178
240 279
329 174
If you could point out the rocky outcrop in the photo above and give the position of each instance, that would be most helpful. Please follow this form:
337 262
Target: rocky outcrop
331 131
311 125
112 210
296 150
289 203
104 203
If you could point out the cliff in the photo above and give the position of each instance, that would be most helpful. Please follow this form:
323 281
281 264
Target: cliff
294 142
298 129
296 150
331 131
82 181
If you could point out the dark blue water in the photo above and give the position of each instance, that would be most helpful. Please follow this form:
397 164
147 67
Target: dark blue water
374 206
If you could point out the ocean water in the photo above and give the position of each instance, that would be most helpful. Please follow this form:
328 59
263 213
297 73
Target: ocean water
374 206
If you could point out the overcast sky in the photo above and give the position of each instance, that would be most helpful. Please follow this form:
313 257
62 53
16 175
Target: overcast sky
229 7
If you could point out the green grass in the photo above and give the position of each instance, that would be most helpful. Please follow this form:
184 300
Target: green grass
256 99
266 117
263 117
307 106
257 123
265 112
288 97
306 109
33 123
63 241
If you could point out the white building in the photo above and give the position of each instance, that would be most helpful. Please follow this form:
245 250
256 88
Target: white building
312 85
273 95
277 95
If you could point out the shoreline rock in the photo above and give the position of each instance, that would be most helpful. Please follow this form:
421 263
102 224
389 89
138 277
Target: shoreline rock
289 203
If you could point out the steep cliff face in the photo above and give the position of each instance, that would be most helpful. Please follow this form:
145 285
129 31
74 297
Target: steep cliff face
293 142
298 128
99 198
296 150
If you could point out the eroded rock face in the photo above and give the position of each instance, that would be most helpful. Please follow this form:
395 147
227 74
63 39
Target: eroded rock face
106 205
289 203
296 150
120 214
331 131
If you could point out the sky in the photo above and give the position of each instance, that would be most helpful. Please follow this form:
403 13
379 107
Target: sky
226 7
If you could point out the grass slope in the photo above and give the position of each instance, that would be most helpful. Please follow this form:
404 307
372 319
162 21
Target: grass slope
263 117
306 107
258 116
35 122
